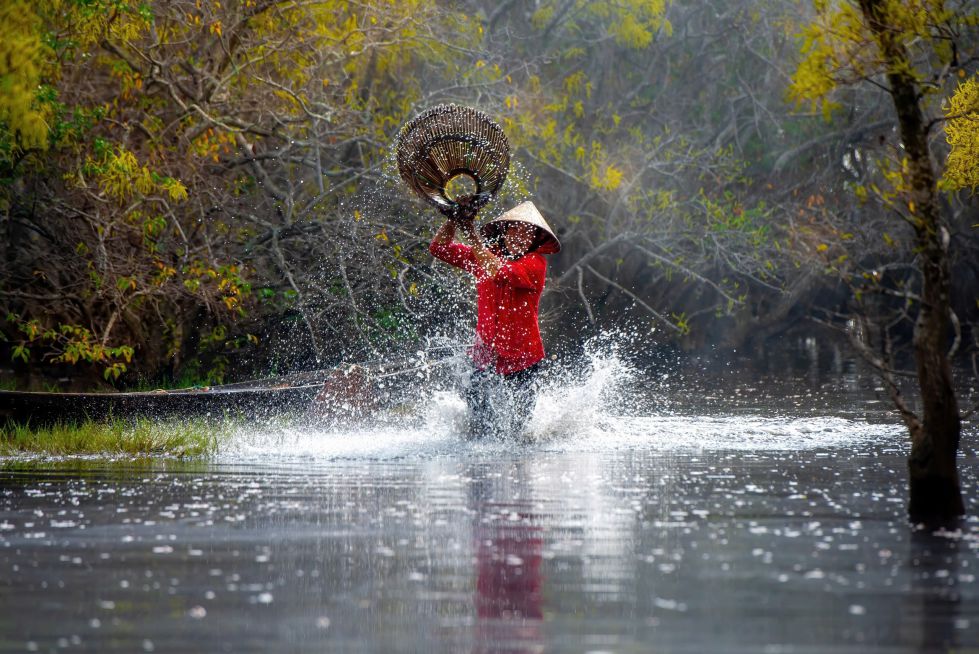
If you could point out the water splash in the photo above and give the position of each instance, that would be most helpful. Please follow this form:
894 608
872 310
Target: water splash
580 400
597 402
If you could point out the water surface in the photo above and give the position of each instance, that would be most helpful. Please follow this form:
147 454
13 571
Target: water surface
737 517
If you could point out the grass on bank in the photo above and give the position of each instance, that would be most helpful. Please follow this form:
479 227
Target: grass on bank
138 437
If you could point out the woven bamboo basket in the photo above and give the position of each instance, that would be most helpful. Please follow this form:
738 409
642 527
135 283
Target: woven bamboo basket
450 151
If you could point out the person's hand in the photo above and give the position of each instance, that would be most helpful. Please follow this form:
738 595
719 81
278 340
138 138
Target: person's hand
463 211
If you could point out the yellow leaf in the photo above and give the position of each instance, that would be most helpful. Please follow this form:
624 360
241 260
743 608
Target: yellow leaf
822 247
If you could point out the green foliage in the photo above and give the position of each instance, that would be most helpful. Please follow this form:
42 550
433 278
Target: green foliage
727 214
392 327
70 344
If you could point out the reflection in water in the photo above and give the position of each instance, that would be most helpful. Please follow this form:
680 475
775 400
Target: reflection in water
485 550
509 552
934 599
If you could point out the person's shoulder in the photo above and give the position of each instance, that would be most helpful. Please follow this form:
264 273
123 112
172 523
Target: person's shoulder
453 246
532 261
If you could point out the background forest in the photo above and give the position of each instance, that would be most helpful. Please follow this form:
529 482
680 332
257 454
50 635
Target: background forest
205 191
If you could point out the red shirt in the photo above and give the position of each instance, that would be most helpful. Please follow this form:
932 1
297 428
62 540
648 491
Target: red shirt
507 334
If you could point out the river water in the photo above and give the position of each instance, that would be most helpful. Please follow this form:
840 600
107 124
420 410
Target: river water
645 512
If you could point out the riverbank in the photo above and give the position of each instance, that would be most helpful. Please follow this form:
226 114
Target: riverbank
137 437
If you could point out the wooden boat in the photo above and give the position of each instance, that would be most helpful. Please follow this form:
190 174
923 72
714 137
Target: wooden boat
347 390
249 399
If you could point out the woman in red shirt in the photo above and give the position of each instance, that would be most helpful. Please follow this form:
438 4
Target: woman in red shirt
509 272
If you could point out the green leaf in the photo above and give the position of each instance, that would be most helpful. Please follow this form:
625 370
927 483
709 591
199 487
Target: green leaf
21 352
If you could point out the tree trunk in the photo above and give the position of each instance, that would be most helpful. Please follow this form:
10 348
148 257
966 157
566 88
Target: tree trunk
935 495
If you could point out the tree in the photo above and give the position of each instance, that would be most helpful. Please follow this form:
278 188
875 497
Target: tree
627 133
174 174
208 182
911 50
189 189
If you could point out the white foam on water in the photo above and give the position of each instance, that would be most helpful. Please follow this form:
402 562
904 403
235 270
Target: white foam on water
602 410
606 406
741 432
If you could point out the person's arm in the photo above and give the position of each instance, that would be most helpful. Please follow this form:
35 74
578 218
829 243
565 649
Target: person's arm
476 258
445 247
445 235
462 215
488 262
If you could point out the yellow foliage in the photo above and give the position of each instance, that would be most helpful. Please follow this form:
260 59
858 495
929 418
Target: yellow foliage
576 83
543 16
833 45
21 62
604 176
838 47
631 23
85 24
175 189
962 133
122 178
610 179
27 63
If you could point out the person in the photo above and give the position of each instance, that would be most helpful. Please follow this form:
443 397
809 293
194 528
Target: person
506 258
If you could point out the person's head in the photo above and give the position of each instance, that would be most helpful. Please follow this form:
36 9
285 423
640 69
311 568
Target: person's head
519 231
519 238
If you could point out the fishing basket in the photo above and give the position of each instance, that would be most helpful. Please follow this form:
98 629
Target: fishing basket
451 151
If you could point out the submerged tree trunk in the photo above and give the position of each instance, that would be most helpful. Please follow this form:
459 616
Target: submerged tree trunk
935 494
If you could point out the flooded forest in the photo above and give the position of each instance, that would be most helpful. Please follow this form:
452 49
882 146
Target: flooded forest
752 425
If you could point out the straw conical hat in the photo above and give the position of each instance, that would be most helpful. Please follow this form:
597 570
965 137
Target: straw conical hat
525 212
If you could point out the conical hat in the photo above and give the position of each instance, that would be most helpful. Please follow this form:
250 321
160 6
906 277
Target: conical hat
525 212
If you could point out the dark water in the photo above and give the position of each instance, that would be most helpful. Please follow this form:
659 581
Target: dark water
743 517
